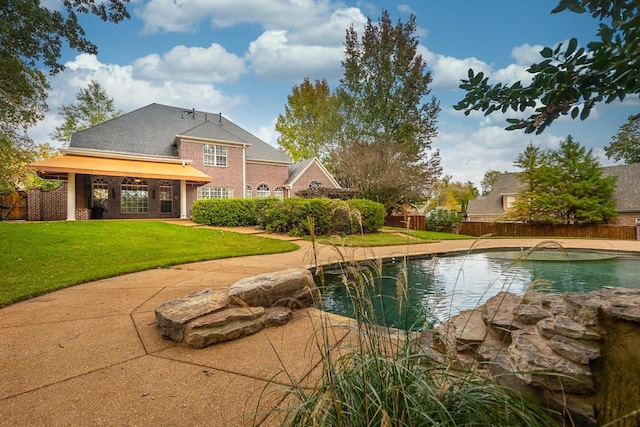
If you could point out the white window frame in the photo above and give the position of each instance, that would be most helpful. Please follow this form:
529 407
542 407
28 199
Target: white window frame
166 195
263 191
214 155
248 192
134 196
215 193
278 192
99 193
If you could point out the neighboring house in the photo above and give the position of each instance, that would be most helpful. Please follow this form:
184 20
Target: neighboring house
154 162
499 202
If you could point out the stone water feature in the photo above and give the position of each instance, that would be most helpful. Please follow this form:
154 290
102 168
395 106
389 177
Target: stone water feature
575 351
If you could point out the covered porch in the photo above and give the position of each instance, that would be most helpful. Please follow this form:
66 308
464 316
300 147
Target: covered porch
100 187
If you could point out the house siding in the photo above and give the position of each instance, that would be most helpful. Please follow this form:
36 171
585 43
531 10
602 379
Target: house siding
229 176
313 173
274 175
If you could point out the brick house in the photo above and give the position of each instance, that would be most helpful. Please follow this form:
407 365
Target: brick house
154 162
494 206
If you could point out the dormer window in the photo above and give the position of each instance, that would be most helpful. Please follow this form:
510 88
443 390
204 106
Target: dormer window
215 155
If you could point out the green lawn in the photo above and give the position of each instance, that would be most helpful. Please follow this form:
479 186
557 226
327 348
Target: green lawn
39 257
392 237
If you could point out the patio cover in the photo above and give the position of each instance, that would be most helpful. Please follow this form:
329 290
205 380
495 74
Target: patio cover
60 166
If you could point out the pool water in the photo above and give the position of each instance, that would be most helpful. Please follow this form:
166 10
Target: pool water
440 287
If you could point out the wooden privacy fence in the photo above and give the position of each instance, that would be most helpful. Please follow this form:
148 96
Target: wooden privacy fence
416 222
510 229
13 206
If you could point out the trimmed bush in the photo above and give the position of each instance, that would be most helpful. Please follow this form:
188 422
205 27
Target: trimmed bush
372 214
225 212
291 216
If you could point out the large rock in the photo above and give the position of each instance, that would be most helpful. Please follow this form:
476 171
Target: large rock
289 288
538 365
224 325
172 316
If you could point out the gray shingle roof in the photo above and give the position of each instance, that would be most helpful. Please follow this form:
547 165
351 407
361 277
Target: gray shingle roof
506 183
297 168
151 131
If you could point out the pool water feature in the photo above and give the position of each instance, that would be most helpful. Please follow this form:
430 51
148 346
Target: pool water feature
440 287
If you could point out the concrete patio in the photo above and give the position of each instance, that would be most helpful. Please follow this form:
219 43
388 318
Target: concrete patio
92 355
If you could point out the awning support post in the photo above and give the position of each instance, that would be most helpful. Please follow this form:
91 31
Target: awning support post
183 199
71 197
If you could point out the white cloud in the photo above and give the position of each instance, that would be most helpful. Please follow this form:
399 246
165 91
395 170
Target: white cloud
447 71
273 57
191 64
128 91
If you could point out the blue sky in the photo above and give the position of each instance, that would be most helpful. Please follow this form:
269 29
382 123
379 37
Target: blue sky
243 57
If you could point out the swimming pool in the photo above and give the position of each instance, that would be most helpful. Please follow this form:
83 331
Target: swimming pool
440 287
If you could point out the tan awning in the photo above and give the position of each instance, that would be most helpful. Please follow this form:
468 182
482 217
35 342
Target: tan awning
62 165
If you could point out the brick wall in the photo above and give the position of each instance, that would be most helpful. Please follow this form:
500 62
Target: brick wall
274 175
48 205
626 219
313 173
229 176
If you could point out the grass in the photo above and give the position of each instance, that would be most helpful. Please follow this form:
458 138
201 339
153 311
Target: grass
392 237
41 257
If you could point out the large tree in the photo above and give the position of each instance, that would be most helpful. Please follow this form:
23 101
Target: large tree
31 40
310 122
93 107
625 145
571 79
385 111
488 180
563 186
453 195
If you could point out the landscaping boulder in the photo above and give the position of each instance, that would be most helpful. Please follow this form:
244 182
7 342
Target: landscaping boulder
209 316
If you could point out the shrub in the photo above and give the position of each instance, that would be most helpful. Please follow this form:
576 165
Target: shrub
291 216
444 221
372 214
225 212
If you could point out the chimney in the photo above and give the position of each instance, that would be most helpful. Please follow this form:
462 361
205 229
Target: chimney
220 119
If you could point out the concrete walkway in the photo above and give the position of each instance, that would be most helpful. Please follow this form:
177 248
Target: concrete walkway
91 354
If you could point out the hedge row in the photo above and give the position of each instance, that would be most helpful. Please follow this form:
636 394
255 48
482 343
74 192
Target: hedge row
291 216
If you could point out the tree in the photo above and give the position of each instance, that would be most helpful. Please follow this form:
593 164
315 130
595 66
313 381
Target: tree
532 204
570 80
452 195
32 36
626 144
563 186
488 180
383 113
94 106
309 124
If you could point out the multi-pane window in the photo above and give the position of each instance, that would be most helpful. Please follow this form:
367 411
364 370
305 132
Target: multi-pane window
248 192
134 196
215 193
262 192
278 192
99 193
215 155
315 184
166 196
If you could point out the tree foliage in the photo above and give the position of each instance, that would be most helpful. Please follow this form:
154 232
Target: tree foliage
452 195
32 36
309 125
625 145
93 107
488 180
570 80
563 186
387 127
